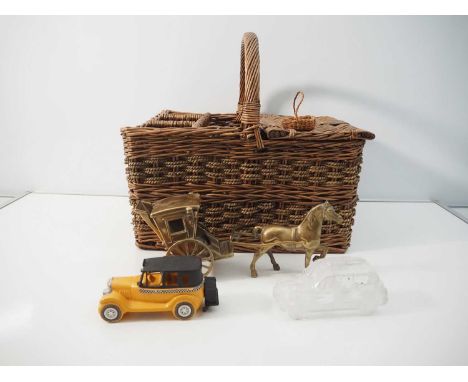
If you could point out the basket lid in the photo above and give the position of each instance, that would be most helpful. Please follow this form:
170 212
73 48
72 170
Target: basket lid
326 128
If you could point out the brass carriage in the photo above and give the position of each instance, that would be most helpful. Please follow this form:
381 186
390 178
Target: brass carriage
175 221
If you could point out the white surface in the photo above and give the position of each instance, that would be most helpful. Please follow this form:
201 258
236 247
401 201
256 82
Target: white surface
57 252
462 210
5 199
70 83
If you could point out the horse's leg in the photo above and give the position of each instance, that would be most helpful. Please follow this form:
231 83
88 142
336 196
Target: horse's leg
323 252
276 266
308 255
257 255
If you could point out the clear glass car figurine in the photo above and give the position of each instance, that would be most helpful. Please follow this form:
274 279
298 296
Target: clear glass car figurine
335 285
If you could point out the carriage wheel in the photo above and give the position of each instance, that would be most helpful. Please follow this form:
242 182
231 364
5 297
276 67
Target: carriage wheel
193 247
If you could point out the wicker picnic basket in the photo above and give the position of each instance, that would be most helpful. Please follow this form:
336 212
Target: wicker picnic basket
250 169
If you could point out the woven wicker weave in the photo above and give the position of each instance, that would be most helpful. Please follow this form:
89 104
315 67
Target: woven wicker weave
249 168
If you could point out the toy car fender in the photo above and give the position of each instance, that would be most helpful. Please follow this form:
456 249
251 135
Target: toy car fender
113 298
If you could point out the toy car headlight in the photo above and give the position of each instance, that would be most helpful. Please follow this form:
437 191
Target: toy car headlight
109 288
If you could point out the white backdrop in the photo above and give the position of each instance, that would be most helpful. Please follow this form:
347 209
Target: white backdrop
67 84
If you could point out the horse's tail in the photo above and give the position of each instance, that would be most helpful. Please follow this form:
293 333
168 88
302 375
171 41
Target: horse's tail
257 230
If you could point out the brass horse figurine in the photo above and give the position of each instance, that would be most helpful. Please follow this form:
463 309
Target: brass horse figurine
305 236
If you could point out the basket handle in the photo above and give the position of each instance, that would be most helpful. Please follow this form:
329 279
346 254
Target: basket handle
248 107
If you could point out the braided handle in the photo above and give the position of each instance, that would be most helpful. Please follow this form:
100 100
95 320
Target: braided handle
248 107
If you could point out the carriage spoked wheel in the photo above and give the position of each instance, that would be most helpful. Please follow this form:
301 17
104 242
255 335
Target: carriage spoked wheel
193 247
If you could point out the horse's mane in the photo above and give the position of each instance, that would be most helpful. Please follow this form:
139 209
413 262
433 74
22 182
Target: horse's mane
311 216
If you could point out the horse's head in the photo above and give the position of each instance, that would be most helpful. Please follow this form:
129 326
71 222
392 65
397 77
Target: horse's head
322 212
330 214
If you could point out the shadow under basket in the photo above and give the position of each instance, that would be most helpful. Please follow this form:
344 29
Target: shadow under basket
249 168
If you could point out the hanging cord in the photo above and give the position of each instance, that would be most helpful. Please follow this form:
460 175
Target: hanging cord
296 108
306 122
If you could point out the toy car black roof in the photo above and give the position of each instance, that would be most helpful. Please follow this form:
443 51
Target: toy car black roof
172 264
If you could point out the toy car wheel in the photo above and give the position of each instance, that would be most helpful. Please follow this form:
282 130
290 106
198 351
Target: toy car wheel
111 313
184 311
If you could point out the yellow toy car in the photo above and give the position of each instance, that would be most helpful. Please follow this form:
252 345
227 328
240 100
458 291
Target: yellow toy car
166 284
